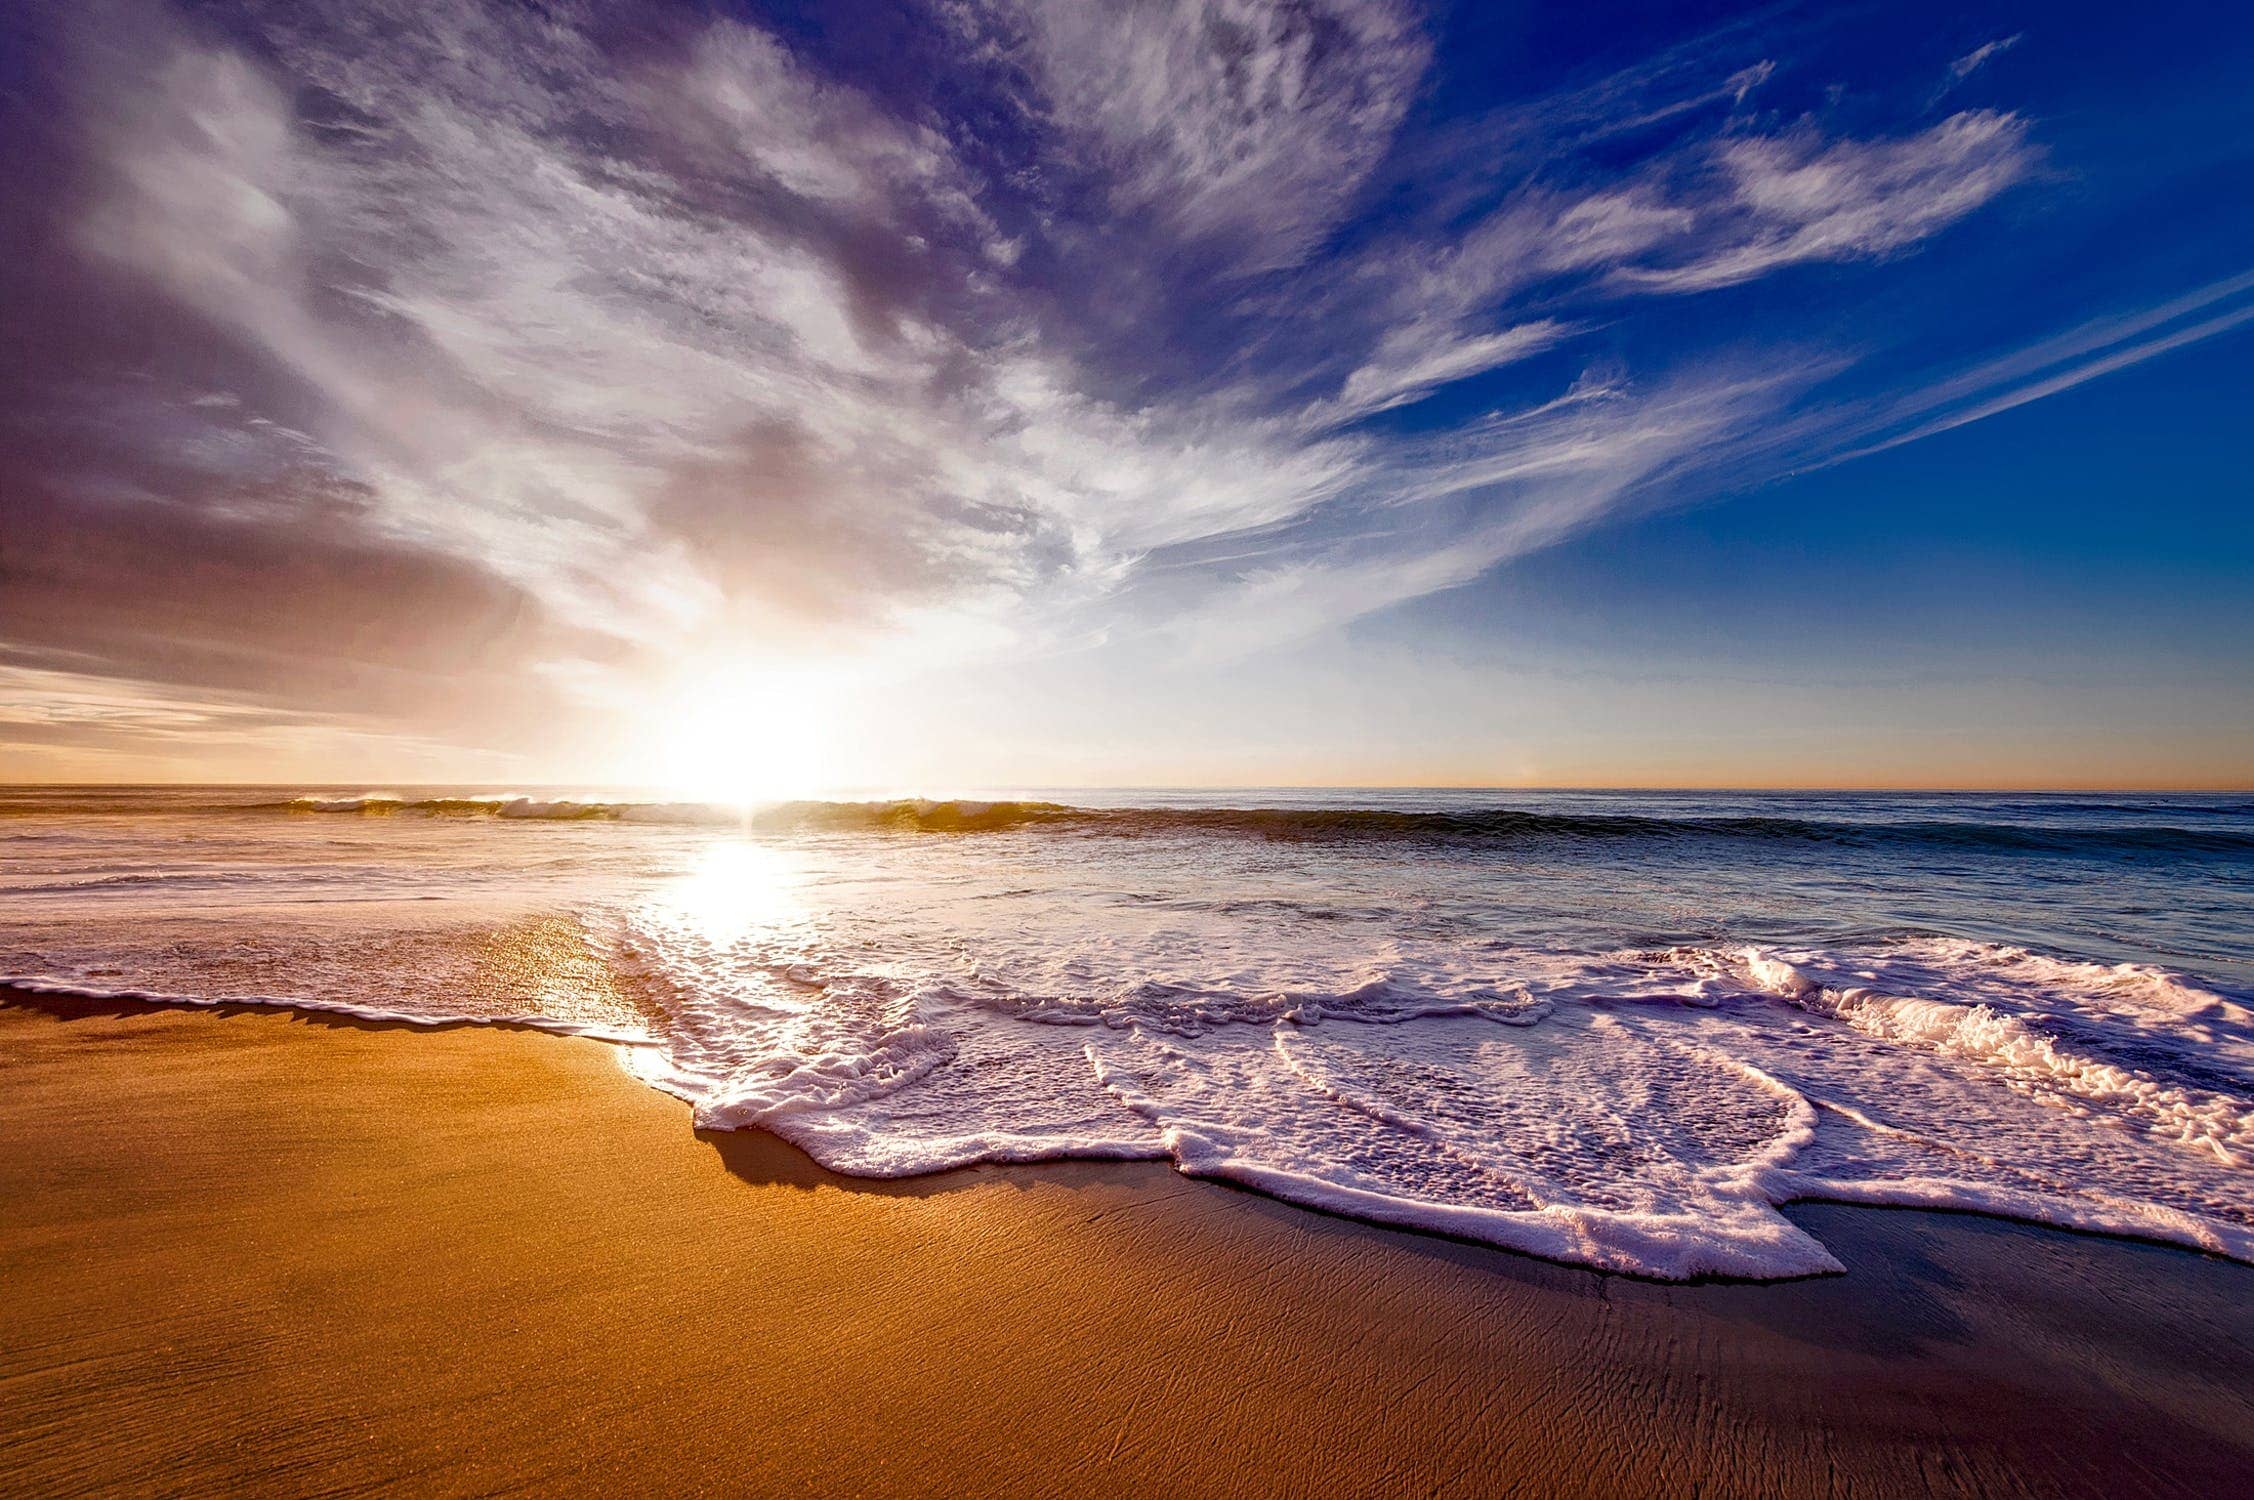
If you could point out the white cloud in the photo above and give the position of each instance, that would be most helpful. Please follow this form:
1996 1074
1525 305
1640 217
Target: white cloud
1742 83
809 137
1965 66
1797 197
1448 510
2051 366
1245 121
1415 359
709 344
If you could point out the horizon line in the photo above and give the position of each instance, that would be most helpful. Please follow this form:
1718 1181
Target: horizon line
865 792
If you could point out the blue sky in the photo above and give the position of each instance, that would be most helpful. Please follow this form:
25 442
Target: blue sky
997 392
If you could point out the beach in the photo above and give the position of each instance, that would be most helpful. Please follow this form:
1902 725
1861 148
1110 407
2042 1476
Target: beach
260 1251
1156 748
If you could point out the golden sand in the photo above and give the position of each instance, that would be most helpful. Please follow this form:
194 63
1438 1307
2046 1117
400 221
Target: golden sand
266 1253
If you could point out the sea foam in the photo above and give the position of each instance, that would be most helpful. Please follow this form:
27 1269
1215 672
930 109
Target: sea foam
1427 1028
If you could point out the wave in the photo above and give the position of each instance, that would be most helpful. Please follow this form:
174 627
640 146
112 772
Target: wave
1641 1112
1353 824
377 804
75 992
2020 1053
2044 831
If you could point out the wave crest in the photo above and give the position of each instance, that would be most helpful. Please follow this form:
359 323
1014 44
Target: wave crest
1305 824
1472 826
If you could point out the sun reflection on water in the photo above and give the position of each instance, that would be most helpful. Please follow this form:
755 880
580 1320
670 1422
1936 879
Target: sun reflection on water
736 887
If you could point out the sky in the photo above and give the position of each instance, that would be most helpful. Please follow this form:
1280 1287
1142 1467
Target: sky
764 399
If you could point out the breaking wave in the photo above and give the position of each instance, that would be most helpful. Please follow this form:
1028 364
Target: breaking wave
2208 827
1615 1030
1643 1112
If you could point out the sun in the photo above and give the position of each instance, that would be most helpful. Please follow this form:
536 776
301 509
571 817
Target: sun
746 736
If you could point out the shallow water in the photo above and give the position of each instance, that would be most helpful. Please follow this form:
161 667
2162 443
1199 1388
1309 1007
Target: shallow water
1616 1029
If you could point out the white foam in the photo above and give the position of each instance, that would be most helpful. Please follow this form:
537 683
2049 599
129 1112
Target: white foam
2021 1056
1543 1142
1644 1112
370 801
1344 1032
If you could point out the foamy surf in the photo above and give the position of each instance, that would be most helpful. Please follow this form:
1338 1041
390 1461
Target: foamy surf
1642 1119
1374 1012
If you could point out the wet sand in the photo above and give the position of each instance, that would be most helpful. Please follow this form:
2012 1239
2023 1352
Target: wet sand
258 1252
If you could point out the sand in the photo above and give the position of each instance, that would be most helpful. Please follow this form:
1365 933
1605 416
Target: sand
259 1253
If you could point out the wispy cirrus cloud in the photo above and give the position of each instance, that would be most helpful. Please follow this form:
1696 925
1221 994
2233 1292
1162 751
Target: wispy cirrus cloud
1796 197
592 345
1243 123
2051 365
1451 508
1972 62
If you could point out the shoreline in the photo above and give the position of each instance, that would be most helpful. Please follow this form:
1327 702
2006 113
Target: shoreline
70 1000
269 1250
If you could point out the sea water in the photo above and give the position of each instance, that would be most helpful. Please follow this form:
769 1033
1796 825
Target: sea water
1618 1029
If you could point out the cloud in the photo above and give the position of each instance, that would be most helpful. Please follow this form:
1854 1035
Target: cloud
1244 122
1742 83
277 588
1763 203
1965 66
571 348
1796 198
1449 509
2051 366
1416 358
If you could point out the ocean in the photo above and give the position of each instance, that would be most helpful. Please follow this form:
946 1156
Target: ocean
1614 1029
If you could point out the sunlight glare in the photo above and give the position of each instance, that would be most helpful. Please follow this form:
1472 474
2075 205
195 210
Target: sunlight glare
746 736
736 886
